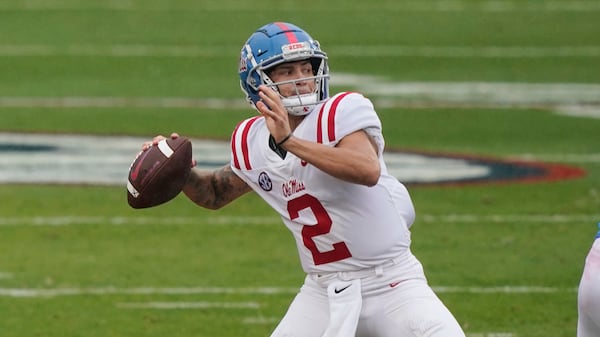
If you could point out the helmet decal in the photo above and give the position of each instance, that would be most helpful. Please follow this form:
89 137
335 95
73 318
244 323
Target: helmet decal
287 31
296 50
243 66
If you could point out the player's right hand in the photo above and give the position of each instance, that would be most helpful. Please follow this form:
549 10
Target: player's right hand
157 139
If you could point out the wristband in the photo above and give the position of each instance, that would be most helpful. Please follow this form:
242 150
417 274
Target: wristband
284 139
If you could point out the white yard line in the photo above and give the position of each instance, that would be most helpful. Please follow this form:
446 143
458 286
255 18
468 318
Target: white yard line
109 290
264 291
405 6
115 50
572 99
464 51
510 218
142 50
504 290
66 220
121 102
187 305
561 157
261 320
5 275
135 221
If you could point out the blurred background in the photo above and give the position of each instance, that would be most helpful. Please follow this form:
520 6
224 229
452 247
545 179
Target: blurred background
84 83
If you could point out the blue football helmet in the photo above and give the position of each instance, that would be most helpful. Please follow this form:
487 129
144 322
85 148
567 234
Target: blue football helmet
277 43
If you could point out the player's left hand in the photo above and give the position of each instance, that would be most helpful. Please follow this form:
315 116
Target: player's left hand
274 112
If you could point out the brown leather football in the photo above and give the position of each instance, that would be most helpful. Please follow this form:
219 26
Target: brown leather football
159 173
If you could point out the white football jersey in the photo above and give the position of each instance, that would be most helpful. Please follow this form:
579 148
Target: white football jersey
337 225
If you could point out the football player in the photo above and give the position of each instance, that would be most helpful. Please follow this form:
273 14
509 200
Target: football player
588 297
317 160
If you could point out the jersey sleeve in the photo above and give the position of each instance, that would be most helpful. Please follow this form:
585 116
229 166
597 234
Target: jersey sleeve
240 145
346 113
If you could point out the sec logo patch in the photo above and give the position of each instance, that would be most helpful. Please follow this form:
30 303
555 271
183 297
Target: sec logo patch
264 181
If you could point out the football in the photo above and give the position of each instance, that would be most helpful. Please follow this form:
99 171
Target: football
159 173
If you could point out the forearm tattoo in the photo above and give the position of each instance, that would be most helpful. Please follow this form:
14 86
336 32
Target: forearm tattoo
214 189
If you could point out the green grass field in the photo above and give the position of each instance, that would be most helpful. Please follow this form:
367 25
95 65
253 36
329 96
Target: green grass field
76 261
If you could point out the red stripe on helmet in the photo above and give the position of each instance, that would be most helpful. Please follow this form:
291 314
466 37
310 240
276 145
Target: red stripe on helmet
287 31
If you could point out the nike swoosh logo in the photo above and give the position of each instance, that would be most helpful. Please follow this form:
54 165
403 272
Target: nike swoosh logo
337 291
394 284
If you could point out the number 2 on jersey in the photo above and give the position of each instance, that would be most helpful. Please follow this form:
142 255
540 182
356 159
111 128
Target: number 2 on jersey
323 226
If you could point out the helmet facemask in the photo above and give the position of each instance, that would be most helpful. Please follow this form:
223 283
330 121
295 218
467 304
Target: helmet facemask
300 104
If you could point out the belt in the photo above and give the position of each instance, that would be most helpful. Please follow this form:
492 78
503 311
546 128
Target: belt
357 274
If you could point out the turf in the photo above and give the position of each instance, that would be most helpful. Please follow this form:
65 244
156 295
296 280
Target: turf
75 260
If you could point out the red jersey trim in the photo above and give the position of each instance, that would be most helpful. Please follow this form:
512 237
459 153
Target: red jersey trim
319 124
330 119
244 144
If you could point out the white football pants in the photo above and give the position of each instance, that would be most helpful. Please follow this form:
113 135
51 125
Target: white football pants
396 301
588 298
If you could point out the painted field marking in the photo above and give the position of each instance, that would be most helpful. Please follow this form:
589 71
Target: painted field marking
562 157
109 290
464 52
569 99
187 305
121 102
510 218
266 291
135 221
5 275
260 320
100 160
272 220
472 93
140 50
412 6
584 111
504 290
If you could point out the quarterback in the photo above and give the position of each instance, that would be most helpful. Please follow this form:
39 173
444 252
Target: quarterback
317 160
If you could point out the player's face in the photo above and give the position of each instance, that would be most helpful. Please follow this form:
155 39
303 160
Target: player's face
296 73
